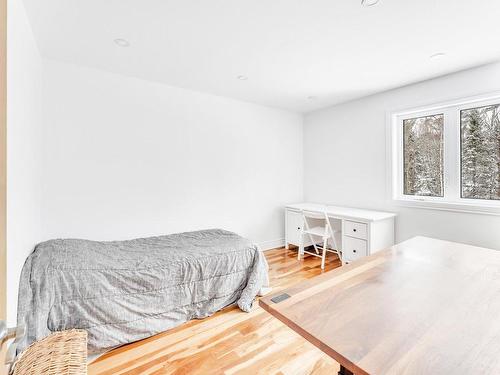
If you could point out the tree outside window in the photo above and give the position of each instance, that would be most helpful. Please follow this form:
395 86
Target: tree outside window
423 154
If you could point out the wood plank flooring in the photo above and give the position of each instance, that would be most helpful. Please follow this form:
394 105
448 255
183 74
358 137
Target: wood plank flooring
230 341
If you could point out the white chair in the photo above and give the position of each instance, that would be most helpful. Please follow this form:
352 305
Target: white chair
8 334
318 228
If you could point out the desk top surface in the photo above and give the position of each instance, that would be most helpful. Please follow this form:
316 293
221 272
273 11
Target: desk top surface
343 212
424 306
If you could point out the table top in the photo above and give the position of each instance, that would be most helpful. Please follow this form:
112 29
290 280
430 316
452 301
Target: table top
343 212
424 306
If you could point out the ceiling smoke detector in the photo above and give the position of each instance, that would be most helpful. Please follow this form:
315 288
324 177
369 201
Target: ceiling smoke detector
122 42
437 55
369 3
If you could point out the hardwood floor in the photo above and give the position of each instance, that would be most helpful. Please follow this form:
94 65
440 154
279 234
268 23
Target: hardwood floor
230 341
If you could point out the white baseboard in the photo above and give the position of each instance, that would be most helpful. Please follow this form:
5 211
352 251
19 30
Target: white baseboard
272 244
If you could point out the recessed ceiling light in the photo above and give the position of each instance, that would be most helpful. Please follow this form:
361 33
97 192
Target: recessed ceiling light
122 42
312 97
437 55
369 3
242 78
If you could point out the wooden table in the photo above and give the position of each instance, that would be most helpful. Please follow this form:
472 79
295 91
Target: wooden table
424 306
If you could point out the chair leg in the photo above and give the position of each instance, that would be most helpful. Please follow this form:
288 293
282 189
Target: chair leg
301 246
323 256
316 248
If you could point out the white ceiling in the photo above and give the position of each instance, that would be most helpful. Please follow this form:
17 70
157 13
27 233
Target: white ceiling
335 50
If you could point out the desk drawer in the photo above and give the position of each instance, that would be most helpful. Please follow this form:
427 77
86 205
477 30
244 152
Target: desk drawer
354 248
355 229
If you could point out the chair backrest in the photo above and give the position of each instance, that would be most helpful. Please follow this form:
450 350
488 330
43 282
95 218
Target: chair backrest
314 215
309 216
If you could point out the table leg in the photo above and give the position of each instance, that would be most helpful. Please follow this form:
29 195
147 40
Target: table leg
344 371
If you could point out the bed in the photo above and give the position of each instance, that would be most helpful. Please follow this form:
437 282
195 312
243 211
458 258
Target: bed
124 291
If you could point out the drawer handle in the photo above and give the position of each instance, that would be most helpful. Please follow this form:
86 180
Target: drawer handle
354 251
354 230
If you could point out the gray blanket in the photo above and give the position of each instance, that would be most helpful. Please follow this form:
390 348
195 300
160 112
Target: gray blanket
123 291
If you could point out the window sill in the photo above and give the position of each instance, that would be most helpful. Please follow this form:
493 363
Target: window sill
470 208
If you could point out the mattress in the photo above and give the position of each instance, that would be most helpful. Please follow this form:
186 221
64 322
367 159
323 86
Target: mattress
123 291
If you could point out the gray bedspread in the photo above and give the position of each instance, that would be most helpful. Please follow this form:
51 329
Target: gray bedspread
123 291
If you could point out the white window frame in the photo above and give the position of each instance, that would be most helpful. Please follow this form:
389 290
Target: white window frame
452 200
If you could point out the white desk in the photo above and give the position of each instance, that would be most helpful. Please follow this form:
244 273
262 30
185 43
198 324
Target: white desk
363 232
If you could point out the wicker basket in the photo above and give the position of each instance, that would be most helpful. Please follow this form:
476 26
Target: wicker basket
61 353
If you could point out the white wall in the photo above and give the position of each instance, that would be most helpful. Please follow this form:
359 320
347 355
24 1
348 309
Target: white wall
126 157
350 139
24 117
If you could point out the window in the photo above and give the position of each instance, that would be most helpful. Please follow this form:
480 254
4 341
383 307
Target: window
480 152
447 156
423 156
